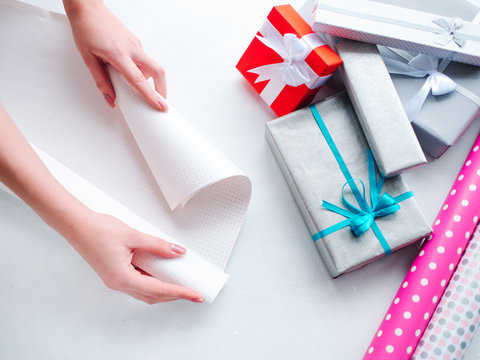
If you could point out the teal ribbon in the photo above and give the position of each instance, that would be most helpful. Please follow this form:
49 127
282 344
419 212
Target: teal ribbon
361 218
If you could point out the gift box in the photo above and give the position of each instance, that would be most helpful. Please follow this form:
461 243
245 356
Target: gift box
287 62
379 109
354 214
440 97
452 35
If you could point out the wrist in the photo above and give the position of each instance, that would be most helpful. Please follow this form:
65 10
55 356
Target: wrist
74 8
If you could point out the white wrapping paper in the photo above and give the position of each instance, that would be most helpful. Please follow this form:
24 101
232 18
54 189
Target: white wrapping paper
49 93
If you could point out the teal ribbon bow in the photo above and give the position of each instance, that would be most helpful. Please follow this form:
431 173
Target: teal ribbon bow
361 218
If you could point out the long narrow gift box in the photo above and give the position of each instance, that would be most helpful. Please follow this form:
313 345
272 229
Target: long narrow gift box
321 150
441 98
379 109
286 63
449 36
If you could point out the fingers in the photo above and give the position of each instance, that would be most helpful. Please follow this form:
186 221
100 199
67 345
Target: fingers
158 291
153 69
134 76
157 246
102 80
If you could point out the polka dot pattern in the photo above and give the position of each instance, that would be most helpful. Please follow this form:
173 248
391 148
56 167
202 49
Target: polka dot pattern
458 313
421 291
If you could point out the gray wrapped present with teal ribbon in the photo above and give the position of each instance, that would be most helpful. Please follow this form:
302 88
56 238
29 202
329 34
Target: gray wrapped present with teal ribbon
354 214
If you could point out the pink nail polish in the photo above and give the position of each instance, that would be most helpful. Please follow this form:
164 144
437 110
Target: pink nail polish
109 100
178 249
198 300
163 105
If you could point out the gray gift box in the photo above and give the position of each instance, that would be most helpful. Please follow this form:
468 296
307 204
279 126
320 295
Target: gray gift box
314 175
383 119
442 118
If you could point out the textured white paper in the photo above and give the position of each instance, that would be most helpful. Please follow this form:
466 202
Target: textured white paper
49 93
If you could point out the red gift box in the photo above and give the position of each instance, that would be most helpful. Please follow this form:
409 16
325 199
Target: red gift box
287 62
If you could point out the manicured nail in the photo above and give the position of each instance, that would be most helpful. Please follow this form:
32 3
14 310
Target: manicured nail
198 300
109 100
163 105
178 249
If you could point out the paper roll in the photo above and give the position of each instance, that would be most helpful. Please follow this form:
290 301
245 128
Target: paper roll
423 286
456 318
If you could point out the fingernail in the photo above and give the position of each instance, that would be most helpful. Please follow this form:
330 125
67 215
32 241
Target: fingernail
163 105
178 249
198 300
109 100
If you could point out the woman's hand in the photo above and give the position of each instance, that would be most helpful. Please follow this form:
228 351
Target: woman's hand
101 38
108 245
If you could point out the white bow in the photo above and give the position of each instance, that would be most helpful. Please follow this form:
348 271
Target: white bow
293 71
420 66
449 31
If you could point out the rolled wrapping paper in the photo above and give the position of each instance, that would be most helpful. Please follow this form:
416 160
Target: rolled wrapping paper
423 286
190 270
456 318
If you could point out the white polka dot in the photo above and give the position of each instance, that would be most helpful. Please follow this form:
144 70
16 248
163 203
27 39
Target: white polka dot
380 332
478 172
460 178
407 315
424 282
473 187
389 349
432 265
396 301
388 317
413 268
440 249
409 350
415 298
453 192
437 222
448 233
405 284
475 219
464 202
434 299
429 237
475 149
421 253
445 207
418 332
426 315
459 251
467 235
370 349
398 331
457 218
443 282
468 163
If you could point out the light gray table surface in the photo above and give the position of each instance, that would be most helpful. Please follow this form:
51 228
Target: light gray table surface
279 303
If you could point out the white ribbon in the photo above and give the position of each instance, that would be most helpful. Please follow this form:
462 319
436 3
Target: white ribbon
293 71
449 32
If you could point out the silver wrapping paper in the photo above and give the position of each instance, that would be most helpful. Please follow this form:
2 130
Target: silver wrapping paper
379 109
443 118
313 175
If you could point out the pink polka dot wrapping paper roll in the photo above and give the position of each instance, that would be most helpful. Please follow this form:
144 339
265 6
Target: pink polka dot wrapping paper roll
423 286
456 318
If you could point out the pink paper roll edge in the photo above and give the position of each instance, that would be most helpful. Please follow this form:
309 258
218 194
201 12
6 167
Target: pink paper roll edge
429 345
423 286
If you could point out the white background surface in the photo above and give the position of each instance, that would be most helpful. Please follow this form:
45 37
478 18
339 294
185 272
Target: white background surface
279 303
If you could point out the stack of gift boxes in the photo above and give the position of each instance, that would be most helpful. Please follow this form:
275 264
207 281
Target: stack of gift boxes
412 80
